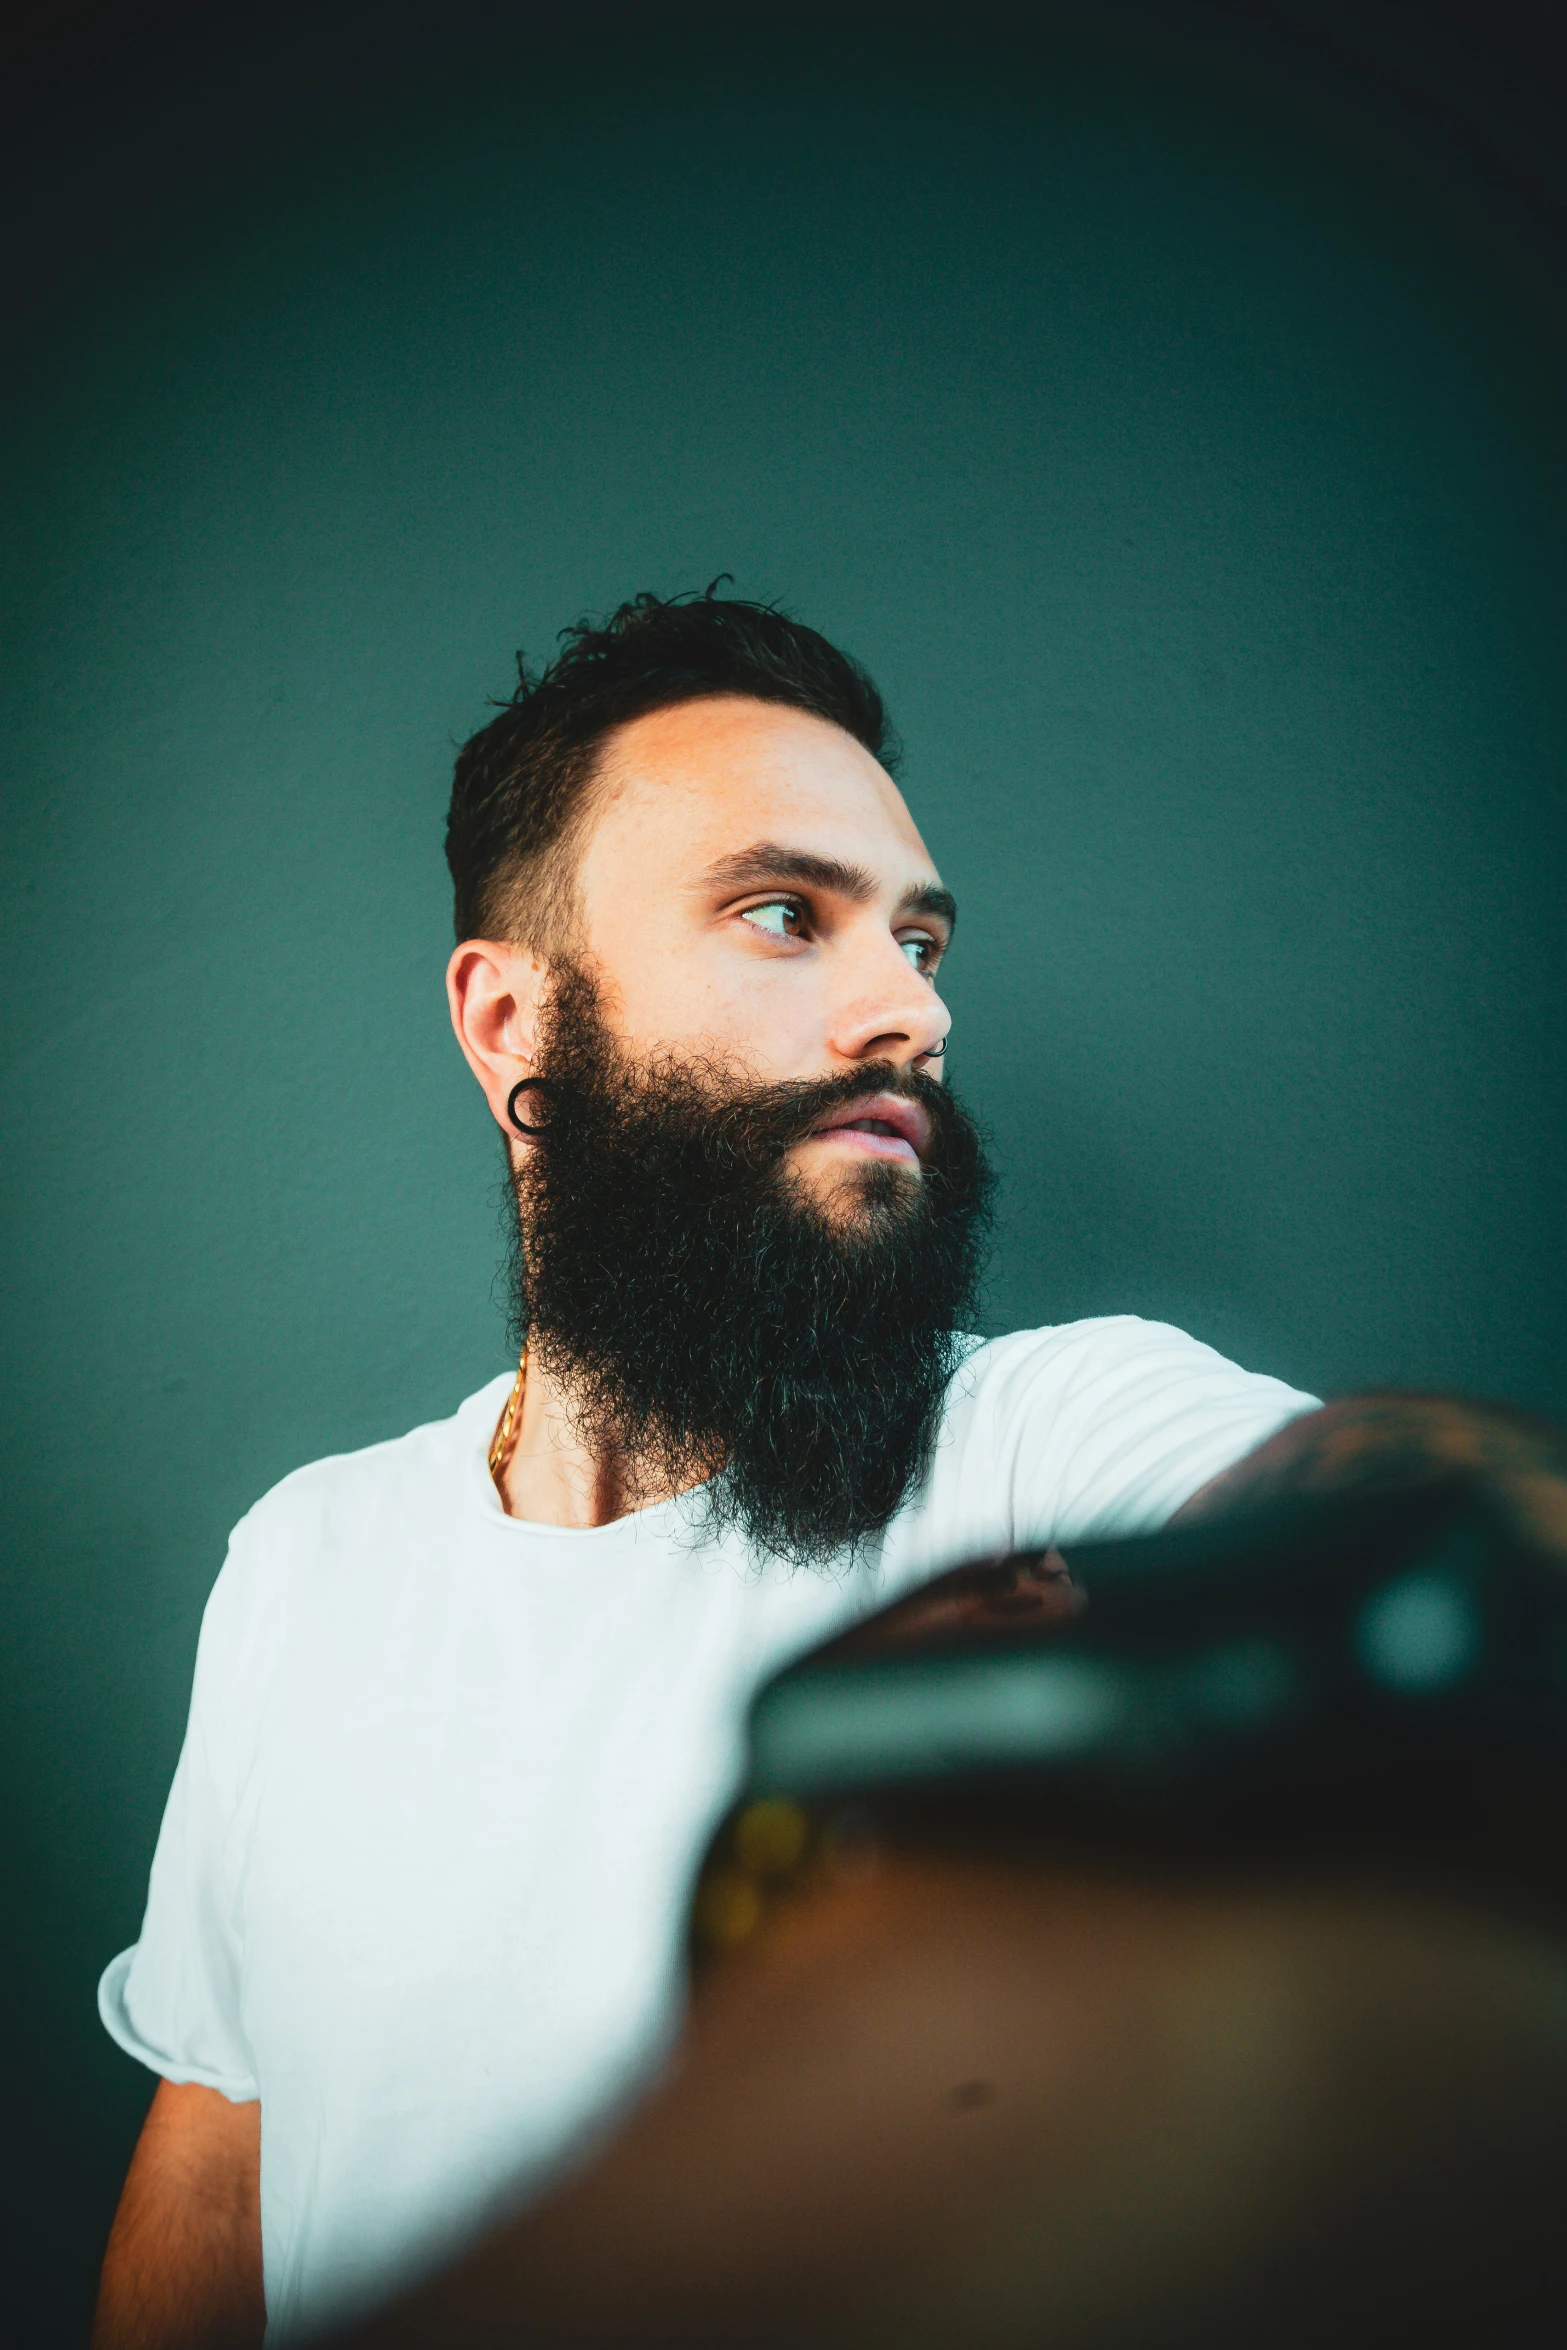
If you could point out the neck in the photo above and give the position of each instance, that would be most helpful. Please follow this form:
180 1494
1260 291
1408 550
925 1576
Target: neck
550 1475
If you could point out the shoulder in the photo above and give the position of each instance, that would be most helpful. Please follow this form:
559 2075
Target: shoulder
342 1484
299 1563
1104 1354
317 1521
1092 1387
1079 1431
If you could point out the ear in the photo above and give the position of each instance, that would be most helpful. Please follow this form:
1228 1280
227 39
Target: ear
495 992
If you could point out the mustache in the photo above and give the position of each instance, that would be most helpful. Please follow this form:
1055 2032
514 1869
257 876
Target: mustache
716 1327
753 1125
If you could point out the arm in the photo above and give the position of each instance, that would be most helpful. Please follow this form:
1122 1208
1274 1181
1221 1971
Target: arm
183 2267
1391 1442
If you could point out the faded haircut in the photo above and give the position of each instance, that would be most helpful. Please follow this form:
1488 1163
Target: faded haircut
523 791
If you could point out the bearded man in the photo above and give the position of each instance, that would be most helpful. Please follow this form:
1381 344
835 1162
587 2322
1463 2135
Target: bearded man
468 1704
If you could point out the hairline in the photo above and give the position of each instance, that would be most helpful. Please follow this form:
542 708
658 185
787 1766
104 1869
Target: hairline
555 927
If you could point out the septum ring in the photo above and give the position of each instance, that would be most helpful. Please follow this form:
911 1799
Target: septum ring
520 1125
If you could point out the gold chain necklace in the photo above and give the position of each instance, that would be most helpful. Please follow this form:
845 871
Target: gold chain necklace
505 1434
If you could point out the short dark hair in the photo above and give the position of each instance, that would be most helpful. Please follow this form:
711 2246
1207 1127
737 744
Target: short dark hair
523 783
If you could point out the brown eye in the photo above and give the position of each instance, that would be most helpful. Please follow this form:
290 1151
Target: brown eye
922 950
779 918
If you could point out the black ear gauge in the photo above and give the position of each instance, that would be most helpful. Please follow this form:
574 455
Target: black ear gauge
520 1125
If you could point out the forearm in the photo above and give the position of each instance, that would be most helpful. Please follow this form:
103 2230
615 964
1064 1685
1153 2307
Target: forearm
1389 1442
183 2266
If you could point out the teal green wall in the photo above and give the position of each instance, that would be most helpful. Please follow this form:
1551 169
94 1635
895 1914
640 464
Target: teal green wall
1188 475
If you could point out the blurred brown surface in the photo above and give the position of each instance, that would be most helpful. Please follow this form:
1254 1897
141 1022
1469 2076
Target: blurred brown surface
947 2102
1030 1591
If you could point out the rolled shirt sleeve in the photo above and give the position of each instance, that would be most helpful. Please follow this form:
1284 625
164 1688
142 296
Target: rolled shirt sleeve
173 1999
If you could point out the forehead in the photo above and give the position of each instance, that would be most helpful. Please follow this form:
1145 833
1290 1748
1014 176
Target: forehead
685 786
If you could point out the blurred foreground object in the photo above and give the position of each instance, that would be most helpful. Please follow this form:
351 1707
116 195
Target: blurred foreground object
1186 1969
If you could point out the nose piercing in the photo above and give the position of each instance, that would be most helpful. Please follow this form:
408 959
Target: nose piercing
936 1052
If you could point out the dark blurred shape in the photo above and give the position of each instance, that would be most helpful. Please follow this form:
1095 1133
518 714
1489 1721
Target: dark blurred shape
1383 1678
1186 1969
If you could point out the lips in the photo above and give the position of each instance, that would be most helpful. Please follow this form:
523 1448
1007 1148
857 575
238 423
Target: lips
882 1125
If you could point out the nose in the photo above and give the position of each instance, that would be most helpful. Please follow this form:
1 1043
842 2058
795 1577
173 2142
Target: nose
889 1010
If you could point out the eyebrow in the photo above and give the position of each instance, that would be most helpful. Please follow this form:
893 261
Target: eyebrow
770 862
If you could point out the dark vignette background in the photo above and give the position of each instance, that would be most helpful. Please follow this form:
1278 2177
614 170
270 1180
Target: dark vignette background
1166 403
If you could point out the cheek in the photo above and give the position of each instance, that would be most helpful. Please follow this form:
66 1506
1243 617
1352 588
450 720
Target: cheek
764 1016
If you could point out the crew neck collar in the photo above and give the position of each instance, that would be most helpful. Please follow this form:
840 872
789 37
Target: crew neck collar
476 1420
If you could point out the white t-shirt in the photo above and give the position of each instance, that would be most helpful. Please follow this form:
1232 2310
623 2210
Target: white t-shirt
421 1882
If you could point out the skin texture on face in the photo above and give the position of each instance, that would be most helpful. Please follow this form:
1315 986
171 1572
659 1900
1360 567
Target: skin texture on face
752 895
752 890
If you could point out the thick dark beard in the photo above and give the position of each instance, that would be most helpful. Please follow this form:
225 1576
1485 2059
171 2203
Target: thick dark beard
708 1320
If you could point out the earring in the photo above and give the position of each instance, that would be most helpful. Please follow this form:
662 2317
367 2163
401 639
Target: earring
519 1125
